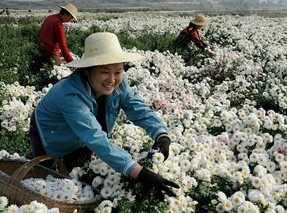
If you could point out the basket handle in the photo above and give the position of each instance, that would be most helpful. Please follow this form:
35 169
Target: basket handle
21 172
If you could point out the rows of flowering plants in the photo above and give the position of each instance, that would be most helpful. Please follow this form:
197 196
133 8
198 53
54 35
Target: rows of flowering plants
225 109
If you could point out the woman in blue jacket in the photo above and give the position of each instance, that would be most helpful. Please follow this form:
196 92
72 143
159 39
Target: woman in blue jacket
78 113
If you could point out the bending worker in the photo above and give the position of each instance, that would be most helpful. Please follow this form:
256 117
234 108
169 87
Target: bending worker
78 113
191 33
52 36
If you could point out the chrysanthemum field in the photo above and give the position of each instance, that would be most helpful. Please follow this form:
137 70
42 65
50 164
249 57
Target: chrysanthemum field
225 110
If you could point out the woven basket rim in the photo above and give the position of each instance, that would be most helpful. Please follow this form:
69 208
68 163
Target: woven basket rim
6 185
22 187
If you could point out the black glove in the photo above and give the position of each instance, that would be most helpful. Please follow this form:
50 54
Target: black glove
163 145
152 180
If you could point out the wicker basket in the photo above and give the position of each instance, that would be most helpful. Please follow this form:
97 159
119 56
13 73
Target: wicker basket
13 171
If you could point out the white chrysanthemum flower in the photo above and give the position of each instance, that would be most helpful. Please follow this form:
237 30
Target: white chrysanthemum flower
251 140
203 174
47 192
236 200
58 195
106 192
221 197
3 202
103 169
184 165
268 123
70 187
95 167
216 123
113 179
283 166
175 170
27 208
262 159
270 166
267 137
134 146
14 156
195 162
279 157
253 157
280 209
260 170
256 196
238 177
155 168
220 208
241 148
248 206
4 154
12 209
174 148
76 172
256 182
86 194
172 136
129 195
174 208
248 130
105 203
228 206
97 181
158 158
192 145
186 123
106 210
39 207
182 203
280 174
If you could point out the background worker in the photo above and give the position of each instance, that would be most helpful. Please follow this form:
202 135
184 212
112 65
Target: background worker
191 33
52 37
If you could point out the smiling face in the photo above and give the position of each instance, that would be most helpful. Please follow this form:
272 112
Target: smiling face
104 79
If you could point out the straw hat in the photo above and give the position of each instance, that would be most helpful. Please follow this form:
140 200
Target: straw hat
71 9
103 48
199 20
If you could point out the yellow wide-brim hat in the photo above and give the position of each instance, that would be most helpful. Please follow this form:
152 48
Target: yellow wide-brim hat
71 9
200 20
103 48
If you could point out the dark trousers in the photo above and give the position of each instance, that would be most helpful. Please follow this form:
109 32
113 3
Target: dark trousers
71 160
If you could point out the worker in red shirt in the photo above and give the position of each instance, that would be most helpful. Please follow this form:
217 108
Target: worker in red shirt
52 37
191 33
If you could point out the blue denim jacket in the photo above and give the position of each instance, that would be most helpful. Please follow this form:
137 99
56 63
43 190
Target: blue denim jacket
66 119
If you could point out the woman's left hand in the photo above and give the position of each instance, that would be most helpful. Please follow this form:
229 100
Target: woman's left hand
162 144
